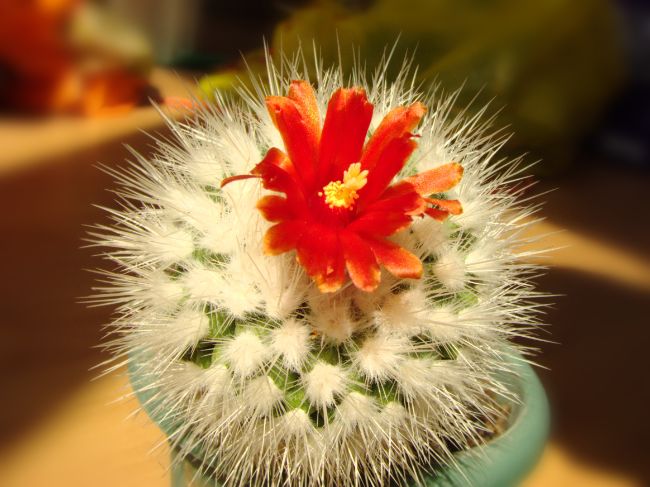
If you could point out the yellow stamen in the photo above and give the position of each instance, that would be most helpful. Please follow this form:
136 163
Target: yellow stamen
343 194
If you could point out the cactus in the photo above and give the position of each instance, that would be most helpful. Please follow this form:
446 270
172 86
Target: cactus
275 373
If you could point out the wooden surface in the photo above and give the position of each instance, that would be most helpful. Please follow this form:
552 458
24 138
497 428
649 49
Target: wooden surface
59 428
29 141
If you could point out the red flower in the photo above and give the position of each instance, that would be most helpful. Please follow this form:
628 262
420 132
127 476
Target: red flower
338 205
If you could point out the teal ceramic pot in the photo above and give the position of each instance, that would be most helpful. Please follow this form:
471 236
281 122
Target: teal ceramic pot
505 460
502 462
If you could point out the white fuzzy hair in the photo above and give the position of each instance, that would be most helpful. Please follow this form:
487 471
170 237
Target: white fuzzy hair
270 382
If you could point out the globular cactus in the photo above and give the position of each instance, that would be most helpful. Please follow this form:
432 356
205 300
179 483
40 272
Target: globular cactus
298 320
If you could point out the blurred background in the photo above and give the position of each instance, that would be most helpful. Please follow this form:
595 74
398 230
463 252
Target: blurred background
571 78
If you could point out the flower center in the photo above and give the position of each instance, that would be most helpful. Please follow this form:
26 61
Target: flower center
343 194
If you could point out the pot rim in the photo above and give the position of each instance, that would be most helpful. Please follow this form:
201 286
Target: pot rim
504 460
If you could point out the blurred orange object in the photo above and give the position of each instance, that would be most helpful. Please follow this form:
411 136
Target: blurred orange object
37 64
111 92
44 71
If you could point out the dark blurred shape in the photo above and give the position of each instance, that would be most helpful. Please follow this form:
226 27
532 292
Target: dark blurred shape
69 56
624 136
553 65
200 34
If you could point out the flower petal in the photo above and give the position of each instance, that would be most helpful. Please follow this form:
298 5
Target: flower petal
450 206
393 158
278 174
397 260
382 223
437 180
437 214
276 208
276 170
360 261
283 237
396 124
300 136
443 208
399 197
302 93
319 252
344 132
